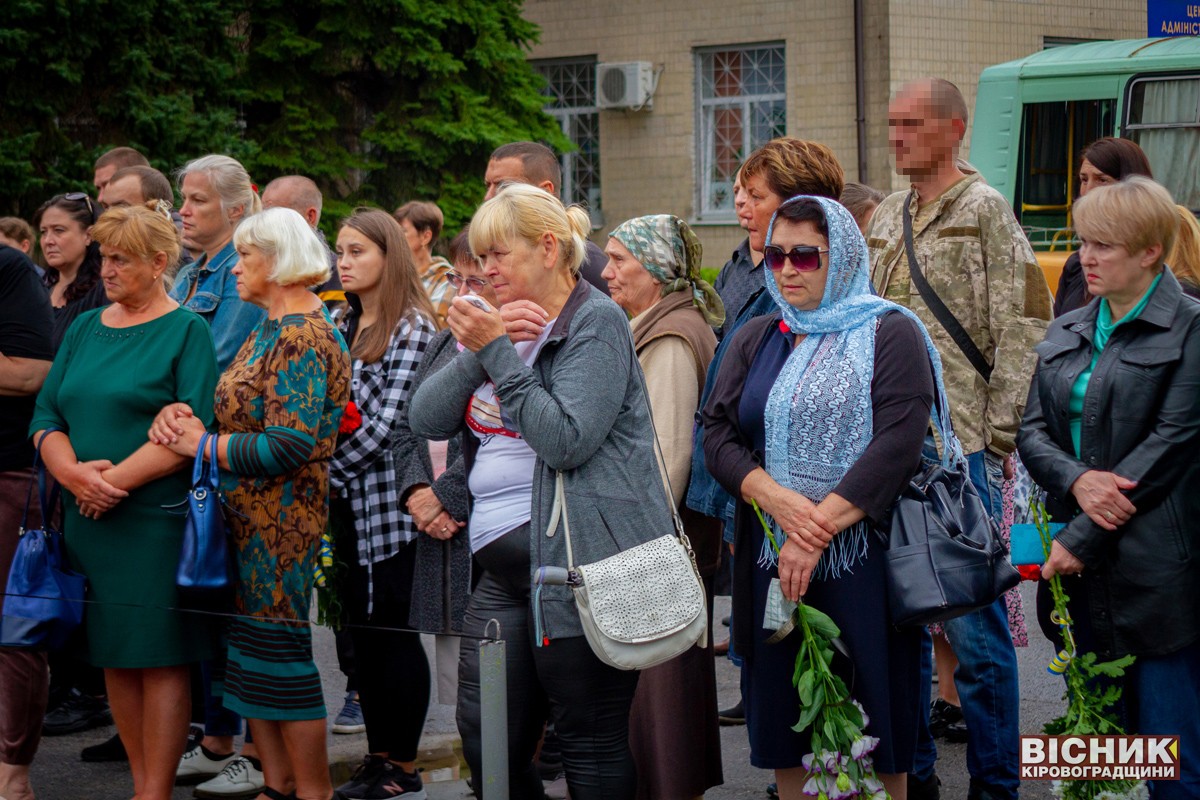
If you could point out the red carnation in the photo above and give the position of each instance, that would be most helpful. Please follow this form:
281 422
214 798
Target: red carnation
351 419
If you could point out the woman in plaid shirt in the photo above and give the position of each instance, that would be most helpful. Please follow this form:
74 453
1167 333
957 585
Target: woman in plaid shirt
388 326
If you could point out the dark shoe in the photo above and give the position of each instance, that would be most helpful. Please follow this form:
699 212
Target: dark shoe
111 750
941 715
363 778
928 789
725 621
732 716
772 790
985 791
79 712
957 732
392 782
721 648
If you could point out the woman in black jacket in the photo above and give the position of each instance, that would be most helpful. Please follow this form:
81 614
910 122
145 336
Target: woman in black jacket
1110 431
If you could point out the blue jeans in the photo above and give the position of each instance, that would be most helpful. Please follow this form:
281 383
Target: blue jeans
987 671
1167 704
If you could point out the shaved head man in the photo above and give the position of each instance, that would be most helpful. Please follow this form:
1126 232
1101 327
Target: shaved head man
133 186
297 193
115 159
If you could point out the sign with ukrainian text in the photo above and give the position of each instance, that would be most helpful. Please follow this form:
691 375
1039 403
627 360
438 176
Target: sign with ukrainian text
1172 18
1099 758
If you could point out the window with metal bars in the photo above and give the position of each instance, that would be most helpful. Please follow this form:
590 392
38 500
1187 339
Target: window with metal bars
571 99
741 104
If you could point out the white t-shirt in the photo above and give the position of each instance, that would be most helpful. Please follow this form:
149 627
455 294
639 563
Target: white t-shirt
501 479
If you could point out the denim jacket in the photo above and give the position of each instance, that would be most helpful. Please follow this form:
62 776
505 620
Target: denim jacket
216 299
704 493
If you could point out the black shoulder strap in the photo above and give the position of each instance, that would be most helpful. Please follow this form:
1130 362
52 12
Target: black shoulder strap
943 314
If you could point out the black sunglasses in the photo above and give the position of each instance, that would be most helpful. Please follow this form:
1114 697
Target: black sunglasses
473 284
803 257
79 197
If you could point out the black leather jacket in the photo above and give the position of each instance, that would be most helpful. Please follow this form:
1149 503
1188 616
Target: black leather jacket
1141 420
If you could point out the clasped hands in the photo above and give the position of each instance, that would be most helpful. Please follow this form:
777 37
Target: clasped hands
429 515
1101 496
808 532
474 328
93 493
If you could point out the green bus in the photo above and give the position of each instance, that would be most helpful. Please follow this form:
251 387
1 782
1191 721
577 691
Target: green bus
1034 115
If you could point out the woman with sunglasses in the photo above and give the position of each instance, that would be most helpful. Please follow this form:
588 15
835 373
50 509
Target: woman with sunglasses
818 414
71 259
388 326
653 272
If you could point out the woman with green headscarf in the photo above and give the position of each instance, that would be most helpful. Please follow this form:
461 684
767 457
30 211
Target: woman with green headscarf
653 273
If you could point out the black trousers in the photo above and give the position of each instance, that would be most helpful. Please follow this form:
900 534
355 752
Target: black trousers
587 700
391 668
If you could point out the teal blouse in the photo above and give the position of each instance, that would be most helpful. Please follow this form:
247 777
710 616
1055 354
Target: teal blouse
1104 330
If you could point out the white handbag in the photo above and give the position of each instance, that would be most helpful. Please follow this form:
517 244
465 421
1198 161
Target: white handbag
642 606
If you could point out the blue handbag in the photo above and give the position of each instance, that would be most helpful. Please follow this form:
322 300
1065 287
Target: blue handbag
44 601
204 558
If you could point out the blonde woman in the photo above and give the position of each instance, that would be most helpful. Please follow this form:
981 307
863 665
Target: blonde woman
566 398
117 366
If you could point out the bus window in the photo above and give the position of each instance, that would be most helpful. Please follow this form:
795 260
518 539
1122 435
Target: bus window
1163 116
1051 137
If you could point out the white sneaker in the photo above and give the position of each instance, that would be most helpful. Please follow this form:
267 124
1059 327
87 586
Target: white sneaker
240 778
195 766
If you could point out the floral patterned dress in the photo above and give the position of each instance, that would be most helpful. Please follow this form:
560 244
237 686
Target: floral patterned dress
280 401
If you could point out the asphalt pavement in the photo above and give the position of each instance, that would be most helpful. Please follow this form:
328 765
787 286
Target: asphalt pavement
58 774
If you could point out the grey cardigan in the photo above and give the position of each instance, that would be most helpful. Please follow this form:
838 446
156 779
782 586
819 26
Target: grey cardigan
582 409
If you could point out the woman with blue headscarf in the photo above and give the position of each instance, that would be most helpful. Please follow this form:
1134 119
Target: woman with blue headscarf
818 414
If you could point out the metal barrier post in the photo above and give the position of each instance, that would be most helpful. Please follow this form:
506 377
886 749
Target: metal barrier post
493 706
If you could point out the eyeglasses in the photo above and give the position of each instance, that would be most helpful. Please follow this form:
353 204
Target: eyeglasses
473 284
80 197
803 257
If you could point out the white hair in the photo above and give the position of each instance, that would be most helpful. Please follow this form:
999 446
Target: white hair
297 253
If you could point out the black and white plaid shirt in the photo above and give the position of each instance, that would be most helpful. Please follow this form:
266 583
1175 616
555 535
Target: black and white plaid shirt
363 468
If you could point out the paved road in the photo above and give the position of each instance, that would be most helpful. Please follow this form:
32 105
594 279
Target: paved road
59 775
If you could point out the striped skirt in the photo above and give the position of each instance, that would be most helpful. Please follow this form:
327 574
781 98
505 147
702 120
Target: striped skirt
270 673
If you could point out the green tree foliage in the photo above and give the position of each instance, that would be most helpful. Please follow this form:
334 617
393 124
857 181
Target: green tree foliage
81 76
379 101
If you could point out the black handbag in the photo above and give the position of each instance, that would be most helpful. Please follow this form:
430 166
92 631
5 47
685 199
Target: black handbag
204 560
945 557
44 598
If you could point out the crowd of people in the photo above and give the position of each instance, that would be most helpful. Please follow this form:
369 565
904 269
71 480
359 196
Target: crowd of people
439 419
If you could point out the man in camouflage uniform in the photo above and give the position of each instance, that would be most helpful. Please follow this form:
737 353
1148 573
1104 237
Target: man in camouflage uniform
976 258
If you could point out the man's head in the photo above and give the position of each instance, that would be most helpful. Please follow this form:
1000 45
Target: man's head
115 159
133 186
297 193
523 162
927 121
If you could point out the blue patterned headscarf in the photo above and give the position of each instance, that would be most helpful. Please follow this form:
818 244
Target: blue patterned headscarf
819 415
669 250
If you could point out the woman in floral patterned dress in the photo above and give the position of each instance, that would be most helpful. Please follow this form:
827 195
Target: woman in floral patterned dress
277 407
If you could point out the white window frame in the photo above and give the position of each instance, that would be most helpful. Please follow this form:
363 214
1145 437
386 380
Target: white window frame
566 115
705 143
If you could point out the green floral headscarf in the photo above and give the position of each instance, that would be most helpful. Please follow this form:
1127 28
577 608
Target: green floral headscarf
670 251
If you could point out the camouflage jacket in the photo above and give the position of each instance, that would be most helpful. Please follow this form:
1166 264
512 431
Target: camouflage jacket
976 257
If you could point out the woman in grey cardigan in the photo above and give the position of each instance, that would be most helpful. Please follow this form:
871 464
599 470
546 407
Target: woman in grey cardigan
565 398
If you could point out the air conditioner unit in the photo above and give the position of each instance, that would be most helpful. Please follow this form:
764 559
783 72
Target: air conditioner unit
625 85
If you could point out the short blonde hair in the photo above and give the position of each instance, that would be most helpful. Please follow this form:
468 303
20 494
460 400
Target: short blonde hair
1135 213
521 211
298 255
141 231
1184 259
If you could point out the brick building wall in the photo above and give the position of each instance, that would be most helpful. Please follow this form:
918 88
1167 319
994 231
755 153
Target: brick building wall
648 159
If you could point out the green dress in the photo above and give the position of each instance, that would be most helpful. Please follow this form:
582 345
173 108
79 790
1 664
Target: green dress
104 389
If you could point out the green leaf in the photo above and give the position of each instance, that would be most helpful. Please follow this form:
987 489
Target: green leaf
820 622
1112 669
807 715
805 687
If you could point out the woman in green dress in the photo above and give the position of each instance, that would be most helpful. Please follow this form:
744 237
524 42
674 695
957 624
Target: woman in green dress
278 406
116 368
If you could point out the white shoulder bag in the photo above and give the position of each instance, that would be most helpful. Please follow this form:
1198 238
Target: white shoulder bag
642 606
